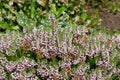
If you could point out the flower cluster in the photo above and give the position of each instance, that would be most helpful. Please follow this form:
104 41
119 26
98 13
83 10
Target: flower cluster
2 73
59 54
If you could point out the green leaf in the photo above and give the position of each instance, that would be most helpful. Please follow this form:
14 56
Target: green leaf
84 16
8 77
54 8
92 61
4 25
114 77
15 28
24 21
63 24
32 8
60 11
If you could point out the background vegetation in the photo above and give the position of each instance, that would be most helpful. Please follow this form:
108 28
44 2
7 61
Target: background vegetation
17 14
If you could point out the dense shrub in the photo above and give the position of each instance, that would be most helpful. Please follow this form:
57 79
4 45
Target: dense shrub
62 53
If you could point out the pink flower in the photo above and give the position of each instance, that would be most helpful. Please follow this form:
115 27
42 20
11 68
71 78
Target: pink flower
34 31
100 75
43 73
11 67
20 67
65 65
100 63
80 75
3 61
2 74
118 46
118 72
117 39
93 76
24 31
17 76
28 64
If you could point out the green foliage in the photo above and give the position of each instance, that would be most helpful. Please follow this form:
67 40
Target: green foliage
4 26
24 21
114 77
32 8
35 12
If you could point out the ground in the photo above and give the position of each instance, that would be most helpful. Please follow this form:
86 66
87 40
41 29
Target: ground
110 20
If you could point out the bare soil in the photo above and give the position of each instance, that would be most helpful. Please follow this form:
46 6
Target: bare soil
110 20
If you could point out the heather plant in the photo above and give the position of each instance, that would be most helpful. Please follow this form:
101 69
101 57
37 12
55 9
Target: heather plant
57 53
